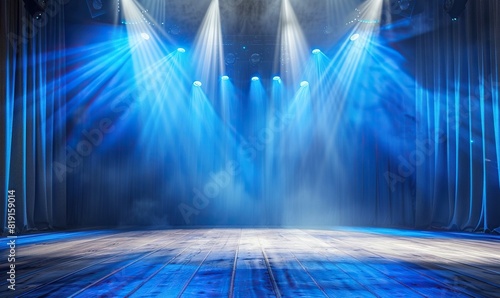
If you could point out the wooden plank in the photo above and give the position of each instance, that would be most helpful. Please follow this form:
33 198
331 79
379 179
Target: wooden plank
378 250
34 256
445 262
335 281
70 278
213 278
291 279
370 278
125 279
258 263
172 279
252 276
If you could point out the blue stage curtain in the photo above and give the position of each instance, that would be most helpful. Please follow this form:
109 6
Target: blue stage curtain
458 187
32 114
441 146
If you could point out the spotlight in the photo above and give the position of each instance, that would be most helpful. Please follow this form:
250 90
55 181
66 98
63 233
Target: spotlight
304 84
181 50
277 78
225 78
255 79
38 15
455 8
197 83
35 8
145 35
316 51
354 37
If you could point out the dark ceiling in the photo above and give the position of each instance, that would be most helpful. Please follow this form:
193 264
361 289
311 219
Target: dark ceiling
322 21
251 26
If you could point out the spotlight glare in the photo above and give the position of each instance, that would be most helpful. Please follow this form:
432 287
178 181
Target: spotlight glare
354 37
38 15
277 78
255 79
145 35
181 50
304 84
316 51
225 78
197 83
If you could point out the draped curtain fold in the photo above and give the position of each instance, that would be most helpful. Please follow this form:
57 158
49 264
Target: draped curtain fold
457 108
456 124
33 117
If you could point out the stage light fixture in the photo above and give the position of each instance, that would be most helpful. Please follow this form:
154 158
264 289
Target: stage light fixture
38 15
455 8
225 78
35 8
255 58
145 36
230 58
404 4
304 84
316 51
96 8
354 37
276 78
255 79
181 50
197 83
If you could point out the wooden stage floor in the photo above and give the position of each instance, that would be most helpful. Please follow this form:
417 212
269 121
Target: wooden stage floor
339 262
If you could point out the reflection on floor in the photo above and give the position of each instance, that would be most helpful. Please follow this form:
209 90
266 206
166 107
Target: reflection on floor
339 262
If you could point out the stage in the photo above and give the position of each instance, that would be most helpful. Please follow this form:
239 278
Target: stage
337 262
253 132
